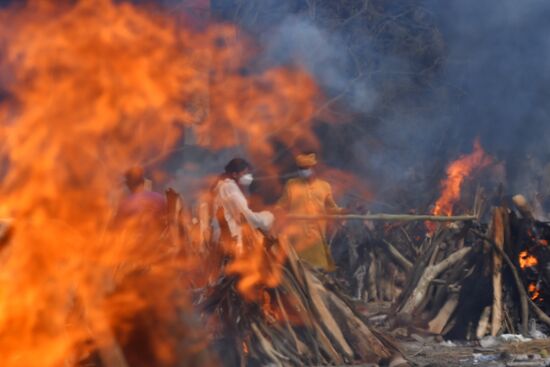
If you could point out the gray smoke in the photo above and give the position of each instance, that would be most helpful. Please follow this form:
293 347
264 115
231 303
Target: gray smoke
297 40
423 81
419 80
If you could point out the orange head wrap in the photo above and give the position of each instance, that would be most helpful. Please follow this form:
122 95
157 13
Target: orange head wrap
306 160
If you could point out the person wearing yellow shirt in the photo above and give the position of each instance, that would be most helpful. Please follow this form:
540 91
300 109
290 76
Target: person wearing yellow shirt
309 195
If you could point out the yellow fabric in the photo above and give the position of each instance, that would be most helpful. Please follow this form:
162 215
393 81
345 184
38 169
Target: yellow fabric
306 160
309 197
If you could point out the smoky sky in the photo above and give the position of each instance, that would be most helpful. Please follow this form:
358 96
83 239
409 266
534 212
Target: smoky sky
498 60
422 80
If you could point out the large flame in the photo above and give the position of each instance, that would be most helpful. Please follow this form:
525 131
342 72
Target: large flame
457 172
90 88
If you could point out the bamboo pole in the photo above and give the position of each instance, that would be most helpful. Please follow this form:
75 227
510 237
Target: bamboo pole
385 217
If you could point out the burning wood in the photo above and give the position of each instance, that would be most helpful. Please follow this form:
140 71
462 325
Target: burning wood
305 321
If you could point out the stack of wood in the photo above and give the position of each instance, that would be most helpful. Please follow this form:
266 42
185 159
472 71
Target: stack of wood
465 280
305 320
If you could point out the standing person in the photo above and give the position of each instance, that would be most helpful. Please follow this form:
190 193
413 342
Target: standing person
144 207
230 208
309 195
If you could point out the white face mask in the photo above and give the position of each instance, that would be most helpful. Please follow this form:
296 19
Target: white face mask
305 173
246 180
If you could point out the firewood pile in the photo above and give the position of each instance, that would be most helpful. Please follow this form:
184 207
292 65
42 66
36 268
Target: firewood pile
267 307
304 320
463 280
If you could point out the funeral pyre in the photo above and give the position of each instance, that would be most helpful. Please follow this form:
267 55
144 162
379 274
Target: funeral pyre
486 276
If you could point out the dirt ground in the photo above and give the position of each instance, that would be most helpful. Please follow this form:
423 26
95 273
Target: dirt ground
455 354
511 350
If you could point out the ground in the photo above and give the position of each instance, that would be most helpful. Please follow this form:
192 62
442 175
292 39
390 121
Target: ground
449 354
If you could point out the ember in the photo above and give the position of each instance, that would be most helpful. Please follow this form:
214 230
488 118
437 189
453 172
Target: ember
526 260
533 291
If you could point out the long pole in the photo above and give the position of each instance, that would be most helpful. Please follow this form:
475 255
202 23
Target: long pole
385 217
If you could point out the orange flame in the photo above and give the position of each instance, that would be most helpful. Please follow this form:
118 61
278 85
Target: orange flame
457 172
533 291
526 260
92 87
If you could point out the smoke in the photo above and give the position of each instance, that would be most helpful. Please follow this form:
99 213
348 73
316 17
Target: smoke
421 80
498 63
297 40
416 82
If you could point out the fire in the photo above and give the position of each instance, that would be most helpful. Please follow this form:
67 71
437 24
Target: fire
258 266
91 88
526 260
457 172
533 291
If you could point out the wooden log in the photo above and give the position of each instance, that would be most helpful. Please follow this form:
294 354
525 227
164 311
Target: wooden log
267 347
483 323
372 286
325 316
398 257
437 324
523 206
430 273
498 233
368 346
524 298
385 217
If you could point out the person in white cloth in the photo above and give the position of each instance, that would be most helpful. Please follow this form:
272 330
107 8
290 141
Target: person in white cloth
231 211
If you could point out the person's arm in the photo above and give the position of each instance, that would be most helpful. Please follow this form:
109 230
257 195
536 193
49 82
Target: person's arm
331 205
262 220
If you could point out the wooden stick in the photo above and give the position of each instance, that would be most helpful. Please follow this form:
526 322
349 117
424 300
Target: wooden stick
430 273
524 297
401 260
498 239
483 324
437 324
385 217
